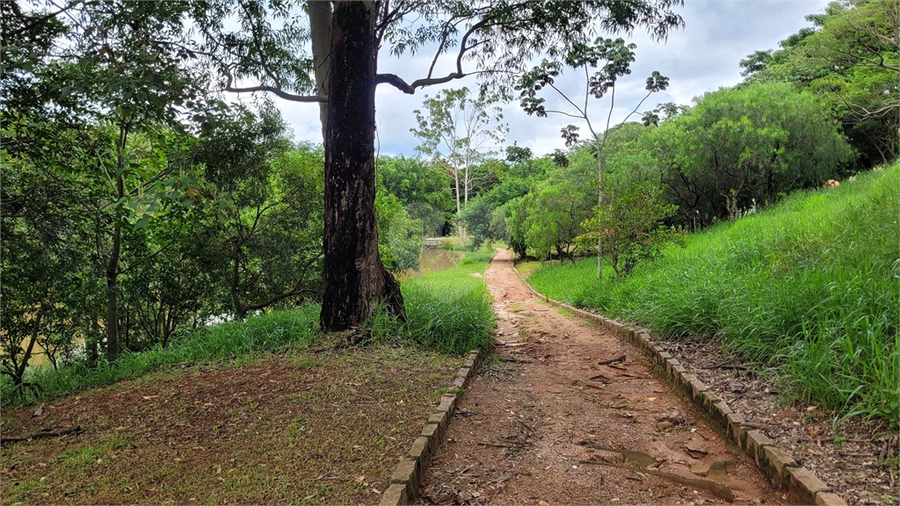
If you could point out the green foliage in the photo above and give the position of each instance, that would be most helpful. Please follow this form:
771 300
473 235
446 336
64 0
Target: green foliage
808 288
516 216
239 339
476 218
552 213
609 60
741 148
264 238
851 59
458 132
629 225
423 188
399 237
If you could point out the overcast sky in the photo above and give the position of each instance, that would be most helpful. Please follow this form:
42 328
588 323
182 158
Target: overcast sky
701 57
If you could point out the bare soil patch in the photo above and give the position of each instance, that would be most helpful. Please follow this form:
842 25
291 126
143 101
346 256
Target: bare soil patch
546 423
858 459
296 428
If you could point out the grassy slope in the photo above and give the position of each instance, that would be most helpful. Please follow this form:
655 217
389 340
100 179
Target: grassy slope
809 287
448 311
289 428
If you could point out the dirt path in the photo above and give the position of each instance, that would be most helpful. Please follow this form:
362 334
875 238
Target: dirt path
547 424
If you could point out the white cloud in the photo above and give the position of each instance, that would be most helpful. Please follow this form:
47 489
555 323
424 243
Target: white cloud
702 57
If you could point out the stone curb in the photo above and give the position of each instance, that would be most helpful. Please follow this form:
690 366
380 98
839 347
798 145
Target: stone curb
405 481
782 471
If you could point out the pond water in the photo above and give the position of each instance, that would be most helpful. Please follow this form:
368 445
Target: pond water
434 259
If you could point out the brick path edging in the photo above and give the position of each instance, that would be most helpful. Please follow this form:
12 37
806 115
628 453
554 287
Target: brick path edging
407 477
782 471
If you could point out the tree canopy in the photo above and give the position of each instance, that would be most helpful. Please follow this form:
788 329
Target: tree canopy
850 57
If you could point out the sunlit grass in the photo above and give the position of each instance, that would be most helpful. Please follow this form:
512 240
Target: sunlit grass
809 288
449 310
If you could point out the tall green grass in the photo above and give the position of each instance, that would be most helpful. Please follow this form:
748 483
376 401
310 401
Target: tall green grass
248 338
450 310
808 288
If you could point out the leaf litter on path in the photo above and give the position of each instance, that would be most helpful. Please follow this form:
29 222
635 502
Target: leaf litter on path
581 413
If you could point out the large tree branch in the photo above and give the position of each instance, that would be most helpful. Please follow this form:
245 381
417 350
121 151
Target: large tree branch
449 27
262 54
410 89
400 84
273 90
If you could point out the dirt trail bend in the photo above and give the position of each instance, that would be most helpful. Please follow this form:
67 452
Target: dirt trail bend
546 423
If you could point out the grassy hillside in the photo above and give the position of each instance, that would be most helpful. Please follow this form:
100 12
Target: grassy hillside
809 287
447 311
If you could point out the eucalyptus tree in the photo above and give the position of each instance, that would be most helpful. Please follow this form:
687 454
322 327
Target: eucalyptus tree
459 131
611 60
487 38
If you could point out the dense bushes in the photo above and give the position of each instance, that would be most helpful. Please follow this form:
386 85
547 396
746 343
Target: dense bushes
448 311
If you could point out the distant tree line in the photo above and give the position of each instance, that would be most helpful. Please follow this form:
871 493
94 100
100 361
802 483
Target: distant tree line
822 107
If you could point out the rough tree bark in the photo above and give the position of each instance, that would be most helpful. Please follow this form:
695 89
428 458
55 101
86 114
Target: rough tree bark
355 280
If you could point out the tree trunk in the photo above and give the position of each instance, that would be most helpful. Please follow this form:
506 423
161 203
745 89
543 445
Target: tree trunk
455 170
600 203
35 331
112 273
355 279
92 344
466 183
320 35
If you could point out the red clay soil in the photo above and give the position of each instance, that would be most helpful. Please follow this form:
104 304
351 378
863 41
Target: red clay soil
546 423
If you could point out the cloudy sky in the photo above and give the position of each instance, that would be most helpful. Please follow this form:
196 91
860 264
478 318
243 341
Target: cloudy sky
701 57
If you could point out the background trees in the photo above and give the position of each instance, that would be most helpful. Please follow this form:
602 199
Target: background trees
265 232
121 225
422 188
498 36
741 148
459 132
734 151
850 56
611 59
629 223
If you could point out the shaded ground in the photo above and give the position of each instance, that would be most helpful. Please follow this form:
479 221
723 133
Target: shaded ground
545 423
296 428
